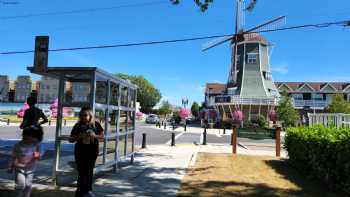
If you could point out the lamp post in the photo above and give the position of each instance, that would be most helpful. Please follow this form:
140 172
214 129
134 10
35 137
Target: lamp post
209 89
184 104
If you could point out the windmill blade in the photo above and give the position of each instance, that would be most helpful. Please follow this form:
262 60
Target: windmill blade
269 25
216 42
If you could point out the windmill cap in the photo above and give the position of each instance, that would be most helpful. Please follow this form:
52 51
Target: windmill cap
253 37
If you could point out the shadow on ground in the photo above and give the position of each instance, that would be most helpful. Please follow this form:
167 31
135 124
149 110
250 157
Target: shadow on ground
136 180
294 184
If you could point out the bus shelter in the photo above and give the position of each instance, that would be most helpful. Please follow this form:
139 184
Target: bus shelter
113 101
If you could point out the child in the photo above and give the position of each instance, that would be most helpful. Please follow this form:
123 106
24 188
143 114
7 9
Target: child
24 156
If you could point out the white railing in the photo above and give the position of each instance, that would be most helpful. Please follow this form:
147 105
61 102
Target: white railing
228 99
310 103
328 120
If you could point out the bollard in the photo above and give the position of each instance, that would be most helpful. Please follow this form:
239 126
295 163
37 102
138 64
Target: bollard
278 141
173 127
205 136
162 122
143 140
49 122
234 140
172 139
185 127
164 126
8 121
224 130
65 122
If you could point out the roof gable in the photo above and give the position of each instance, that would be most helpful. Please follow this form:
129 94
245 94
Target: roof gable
285 87
347 88
306 88
328 88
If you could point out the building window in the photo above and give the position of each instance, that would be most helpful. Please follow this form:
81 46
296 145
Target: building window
252 58
318 97
297 96
238 59
267 75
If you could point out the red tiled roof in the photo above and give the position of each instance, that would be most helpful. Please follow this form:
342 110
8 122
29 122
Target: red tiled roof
255 37
215 88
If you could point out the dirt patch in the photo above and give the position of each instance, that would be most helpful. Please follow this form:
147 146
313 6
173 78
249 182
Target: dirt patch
241 175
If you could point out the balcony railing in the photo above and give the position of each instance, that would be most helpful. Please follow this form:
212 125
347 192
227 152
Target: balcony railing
310 103
229 99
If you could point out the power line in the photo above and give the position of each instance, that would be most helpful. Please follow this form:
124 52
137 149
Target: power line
319 25
119 45
83 10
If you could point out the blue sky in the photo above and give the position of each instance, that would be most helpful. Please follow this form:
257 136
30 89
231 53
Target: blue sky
180 69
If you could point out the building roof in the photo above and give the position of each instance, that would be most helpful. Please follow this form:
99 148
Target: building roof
215 88
219 88
255 37
316 86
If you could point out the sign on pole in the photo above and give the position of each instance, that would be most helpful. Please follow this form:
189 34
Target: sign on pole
41 53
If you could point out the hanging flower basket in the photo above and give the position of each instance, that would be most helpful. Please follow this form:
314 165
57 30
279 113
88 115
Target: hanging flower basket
20 113
184 113
273 115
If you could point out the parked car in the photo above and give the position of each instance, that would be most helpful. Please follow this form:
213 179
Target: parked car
152 119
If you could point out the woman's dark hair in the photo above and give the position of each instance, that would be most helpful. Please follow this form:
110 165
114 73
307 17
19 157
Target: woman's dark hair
89 111
31 101
35 132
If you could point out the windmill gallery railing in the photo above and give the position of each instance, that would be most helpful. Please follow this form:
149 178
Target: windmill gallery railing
229 99
338 120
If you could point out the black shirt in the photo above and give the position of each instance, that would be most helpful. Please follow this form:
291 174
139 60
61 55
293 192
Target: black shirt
80 128
32 116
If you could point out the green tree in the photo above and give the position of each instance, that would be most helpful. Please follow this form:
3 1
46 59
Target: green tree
195 109
147 94
165 108
202 4
286 111
339 105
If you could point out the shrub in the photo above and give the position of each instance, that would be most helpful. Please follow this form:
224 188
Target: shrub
321 152
261 121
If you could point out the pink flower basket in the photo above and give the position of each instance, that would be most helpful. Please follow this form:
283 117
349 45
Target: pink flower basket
20 113
184 113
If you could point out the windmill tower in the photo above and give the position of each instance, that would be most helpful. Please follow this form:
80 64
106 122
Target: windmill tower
249 80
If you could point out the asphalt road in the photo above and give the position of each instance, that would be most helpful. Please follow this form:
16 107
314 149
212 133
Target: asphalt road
9 135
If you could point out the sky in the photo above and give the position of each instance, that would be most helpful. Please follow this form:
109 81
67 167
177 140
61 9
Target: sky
179 69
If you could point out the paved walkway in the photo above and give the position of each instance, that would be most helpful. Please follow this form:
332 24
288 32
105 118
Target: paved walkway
157 171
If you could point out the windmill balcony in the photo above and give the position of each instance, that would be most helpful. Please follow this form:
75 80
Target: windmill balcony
236 100
317 104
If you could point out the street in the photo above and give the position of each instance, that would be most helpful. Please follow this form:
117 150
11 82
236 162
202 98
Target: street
9 135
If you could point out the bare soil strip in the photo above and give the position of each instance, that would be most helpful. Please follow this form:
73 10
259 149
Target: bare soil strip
248 176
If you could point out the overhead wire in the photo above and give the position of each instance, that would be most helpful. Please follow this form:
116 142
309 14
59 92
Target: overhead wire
319 25
89 10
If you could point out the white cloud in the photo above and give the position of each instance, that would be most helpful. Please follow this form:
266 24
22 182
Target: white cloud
281 69
172 79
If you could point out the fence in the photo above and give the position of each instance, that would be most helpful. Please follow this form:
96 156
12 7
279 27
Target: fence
338 120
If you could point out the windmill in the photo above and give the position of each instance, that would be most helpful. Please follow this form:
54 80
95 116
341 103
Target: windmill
241 34
249 87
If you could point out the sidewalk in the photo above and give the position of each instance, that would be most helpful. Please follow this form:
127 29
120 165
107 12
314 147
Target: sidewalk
157 171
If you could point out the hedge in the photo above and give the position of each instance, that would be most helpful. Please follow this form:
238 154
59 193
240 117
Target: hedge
323 153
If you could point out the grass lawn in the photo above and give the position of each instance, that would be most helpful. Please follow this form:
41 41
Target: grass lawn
241 175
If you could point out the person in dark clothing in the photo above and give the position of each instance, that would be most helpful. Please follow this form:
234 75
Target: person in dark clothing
32 117
86 133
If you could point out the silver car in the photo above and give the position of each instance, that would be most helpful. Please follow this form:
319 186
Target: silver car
152 119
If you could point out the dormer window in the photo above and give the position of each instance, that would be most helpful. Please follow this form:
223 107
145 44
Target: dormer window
252 58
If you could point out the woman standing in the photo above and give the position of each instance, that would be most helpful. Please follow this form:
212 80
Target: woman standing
86 133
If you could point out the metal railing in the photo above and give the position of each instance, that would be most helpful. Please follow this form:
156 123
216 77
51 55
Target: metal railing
310 103
338 120
245 101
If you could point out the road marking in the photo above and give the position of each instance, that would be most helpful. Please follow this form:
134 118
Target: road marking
176 136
